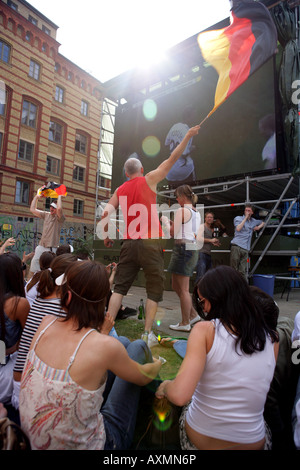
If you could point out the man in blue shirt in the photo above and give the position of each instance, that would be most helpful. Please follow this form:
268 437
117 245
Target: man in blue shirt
240 244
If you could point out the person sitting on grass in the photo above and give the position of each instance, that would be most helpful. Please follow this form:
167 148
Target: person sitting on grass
66 373
226 373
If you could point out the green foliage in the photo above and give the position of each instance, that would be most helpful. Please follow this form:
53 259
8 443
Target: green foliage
83 247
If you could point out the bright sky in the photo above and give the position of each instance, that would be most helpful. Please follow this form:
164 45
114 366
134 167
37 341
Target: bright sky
109 37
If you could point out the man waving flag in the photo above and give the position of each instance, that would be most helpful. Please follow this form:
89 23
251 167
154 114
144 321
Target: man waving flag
239 49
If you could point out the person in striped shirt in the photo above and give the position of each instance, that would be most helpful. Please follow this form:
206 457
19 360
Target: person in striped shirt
46 303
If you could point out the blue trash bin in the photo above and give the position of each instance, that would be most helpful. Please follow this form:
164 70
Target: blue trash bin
265 282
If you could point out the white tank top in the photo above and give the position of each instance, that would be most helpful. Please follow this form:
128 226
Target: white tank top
191 227
229 399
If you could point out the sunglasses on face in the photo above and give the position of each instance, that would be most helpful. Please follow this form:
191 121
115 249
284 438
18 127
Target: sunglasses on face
200 302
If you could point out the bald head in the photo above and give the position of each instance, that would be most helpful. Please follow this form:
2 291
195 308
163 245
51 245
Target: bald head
133 166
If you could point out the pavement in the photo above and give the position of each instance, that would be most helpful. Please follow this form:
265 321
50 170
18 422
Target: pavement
169 312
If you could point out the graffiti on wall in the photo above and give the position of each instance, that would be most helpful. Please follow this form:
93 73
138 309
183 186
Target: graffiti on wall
27 232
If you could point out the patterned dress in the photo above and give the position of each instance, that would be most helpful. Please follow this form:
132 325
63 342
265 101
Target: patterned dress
57 413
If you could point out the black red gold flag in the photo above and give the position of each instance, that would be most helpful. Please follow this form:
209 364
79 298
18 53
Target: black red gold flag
53 190
238 50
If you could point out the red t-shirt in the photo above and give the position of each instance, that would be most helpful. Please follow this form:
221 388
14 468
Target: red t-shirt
138 204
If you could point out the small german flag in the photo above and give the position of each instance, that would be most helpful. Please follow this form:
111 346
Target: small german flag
53 190
238 50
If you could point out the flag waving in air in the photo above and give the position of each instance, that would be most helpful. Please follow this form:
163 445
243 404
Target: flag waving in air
239 49
53 190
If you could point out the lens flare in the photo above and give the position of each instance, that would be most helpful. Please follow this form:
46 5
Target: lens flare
164 420
149 110
151 146
161 416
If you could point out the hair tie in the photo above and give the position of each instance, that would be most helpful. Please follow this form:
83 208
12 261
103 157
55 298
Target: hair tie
50 270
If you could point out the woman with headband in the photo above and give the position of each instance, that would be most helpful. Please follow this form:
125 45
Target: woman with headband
68 399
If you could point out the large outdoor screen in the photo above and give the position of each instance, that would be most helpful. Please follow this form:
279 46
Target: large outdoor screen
238 138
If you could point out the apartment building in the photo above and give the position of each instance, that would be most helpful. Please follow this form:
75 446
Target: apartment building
50 126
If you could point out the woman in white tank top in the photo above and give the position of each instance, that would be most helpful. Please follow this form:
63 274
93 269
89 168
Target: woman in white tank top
185 253
227 370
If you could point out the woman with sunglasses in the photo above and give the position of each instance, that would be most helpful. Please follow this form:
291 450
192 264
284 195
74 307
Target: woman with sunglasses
68 400
226 373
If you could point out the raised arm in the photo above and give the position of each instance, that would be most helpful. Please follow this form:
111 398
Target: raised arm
59 207
33 205
155 176
9 242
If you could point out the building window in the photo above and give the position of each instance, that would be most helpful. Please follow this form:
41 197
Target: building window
12 5
80 143
103 182
48 203
46 30
78 173
34 70
84 108
53 166
29 114
25 151
33 20
3 100
78 207
28 36
55 132
22 192
59 94
4 52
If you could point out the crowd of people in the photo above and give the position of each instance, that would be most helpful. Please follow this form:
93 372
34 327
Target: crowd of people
73 383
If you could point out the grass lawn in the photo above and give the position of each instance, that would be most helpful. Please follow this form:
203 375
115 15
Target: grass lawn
163 434
132 329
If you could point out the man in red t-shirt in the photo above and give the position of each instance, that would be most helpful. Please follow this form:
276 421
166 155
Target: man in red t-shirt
141 247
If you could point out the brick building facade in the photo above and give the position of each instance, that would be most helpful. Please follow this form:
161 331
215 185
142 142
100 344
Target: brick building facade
50 125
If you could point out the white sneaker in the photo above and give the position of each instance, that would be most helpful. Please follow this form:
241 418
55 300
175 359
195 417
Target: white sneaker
178 327
195 320
152 340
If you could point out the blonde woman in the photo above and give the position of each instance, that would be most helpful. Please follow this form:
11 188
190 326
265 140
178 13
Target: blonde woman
185 253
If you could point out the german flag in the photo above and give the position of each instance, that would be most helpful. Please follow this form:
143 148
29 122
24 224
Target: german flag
53 190
238 50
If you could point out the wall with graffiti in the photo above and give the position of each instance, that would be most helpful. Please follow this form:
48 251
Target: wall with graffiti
27 232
